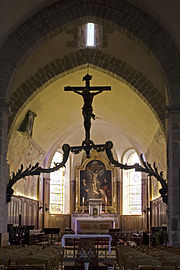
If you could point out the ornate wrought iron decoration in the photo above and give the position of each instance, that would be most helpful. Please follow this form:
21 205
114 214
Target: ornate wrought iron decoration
88 145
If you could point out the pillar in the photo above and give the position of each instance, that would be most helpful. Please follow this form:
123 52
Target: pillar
73 196
4 168
174 176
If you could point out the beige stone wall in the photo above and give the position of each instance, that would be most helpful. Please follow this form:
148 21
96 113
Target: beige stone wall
157 153
23 150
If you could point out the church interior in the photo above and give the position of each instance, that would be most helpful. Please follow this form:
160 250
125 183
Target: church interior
76 78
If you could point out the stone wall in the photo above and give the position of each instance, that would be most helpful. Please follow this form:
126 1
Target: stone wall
23 150
157 152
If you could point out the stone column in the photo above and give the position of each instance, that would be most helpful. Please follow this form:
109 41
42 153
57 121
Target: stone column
119 197
4 168
144 201
46 193
73 196
174 176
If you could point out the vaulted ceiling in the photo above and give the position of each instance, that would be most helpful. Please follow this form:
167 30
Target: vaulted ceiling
129 115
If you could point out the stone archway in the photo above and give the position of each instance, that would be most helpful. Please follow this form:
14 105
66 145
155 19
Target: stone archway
55 16
126 16
118 68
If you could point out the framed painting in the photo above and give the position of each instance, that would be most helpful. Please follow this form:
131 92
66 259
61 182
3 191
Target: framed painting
95 181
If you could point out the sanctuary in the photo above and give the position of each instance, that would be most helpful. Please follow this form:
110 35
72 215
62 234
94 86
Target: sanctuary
96 190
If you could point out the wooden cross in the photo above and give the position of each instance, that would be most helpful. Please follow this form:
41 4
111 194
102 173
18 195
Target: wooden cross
87 109
87 87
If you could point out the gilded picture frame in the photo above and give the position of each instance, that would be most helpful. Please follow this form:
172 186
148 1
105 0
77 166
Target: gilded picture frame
95 179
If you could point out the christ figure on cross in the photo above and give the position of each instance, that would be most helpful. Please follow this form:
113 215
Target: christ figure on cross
87 109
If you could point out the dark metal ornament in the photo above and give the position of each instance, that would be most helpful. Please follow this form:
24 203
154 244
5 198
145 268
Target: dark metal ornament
88 145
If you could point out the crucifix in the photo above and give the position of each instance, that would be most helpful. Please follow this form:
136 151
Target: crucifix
87 110
87 93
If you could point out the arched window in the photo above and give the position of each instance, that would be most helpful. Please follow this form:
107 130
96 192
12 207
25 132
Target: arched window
132 188
57 184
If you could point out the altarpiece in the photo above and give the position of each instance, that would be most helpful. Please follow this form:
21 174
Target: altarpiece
96 191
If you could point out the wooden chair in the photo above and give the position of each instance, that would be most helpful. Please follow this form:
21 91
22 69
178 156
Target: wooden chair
2 267
26 267
61 256
87 244
149 267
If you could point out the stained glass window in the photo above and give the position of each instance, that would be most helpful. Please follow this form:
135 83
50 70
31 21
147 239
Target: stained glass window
57 182
132 190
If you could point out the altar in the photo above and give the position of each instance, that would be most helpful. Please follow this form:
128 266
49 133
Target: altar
85 223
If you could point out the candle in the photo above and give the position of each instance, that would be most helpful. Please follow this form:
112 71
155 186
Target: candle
106 199
83 199
76 199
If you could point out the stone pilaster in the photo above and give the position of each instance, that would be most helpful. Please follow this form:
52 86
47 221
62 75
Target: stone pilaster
119 197
73 197
3 165
174 177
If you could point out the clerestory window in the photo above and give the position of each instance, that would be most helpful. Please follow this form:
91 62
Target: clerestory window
90 35
90 42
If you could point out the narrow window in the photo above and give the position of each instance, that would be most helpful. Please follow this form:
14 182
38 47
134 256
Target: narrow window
90 35
132 197
57 187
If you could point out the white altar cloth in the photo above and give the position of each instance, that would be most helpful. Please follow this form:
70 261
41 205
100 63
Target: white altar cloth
73 236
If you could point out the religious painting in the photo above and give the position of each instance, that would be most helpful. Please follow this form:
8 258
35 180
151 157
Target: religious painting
95 183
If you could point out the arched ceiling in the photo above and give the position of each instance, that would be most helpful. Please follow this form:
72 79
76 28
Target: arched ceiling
166 13
125 117
151 33
122 56
121 115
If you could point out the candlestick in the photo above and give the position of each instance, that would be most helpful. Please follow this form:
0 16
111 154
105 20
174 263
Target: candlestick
106 204
76 205
83 204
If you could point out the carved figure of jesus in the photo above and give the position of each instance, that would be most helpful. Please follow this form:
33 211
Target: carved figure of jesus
87 109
